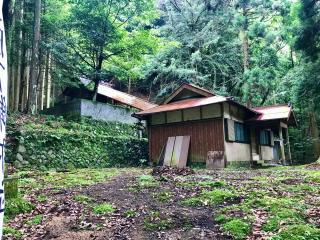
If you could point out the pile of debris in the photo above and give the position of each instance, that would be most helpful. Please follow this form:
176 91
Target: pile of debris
165 171
314 166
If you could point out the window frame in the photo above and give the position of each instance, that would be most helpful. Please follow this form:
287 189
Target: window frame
245 131
263 131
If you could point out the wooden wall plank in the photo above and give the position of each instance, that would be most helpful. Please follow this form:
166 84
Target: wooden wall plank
205 136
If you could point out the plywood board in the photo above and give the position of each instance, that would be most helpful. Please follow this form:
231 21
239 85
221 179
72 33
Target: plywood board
180 152
176 151
169 151
184 152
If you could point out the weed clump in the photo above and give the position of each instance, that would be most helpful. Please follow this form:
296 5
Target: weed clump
17 206
11 232
237 228
155 222
82 198
104 208
298 232
147 181
216 196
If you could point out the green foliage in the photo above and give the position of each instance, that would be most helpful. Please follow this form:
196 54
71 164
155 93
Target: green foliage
200 47
17 206
118 41
237 228
104 208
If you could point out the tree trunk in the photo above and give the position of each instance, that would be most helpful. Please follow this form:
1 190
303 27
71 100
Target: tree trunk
12 65
97 76
246 49
314 133
129 86
40 86
24 60
32 100
19 68
48 81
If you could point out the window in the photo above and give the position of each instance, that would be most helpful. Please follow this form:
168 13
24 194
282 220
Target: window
265 137
241 133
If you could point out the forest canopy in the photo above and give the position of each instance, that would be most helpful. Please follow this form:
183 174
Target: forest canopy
260 52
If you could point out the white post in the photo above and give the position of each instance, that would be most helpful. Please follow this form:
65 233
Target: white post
3 111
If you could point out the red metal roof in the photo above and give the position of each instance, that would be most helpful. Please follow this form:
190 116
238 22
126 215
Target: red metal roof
183 104
125 98
274 112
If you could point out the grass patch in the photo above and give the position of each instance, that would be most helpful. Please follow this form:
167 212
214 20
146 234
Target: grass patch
154 222
82 177
147 181
216 196
298 232
36 220
130 213
237 228
17 206
42 198
11 232
104 208
163 196
285 215
82 199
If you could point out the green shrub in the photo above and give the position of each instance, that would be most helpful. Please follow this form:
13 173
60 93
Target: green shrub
237 228
104 208
16 206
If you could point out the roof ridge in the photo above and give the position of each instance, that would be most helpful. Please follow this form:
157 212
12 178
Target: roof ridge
270 106
130 95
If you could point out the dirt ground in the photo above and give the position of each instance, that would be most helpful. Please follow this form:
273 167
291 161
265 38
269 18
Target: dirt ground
153 207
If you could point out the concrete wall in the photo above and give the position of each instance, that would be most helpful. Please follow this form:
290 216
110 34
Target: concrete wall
237 152
234 151
106 112
266 153
95 110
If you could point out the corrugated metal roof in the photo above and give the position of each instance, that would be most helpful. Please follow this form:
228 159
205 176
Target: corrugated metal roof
125 98
273 112
183 104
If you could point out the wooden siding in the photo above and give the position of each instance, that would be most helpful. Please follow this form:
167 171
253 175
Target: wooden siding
206 135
